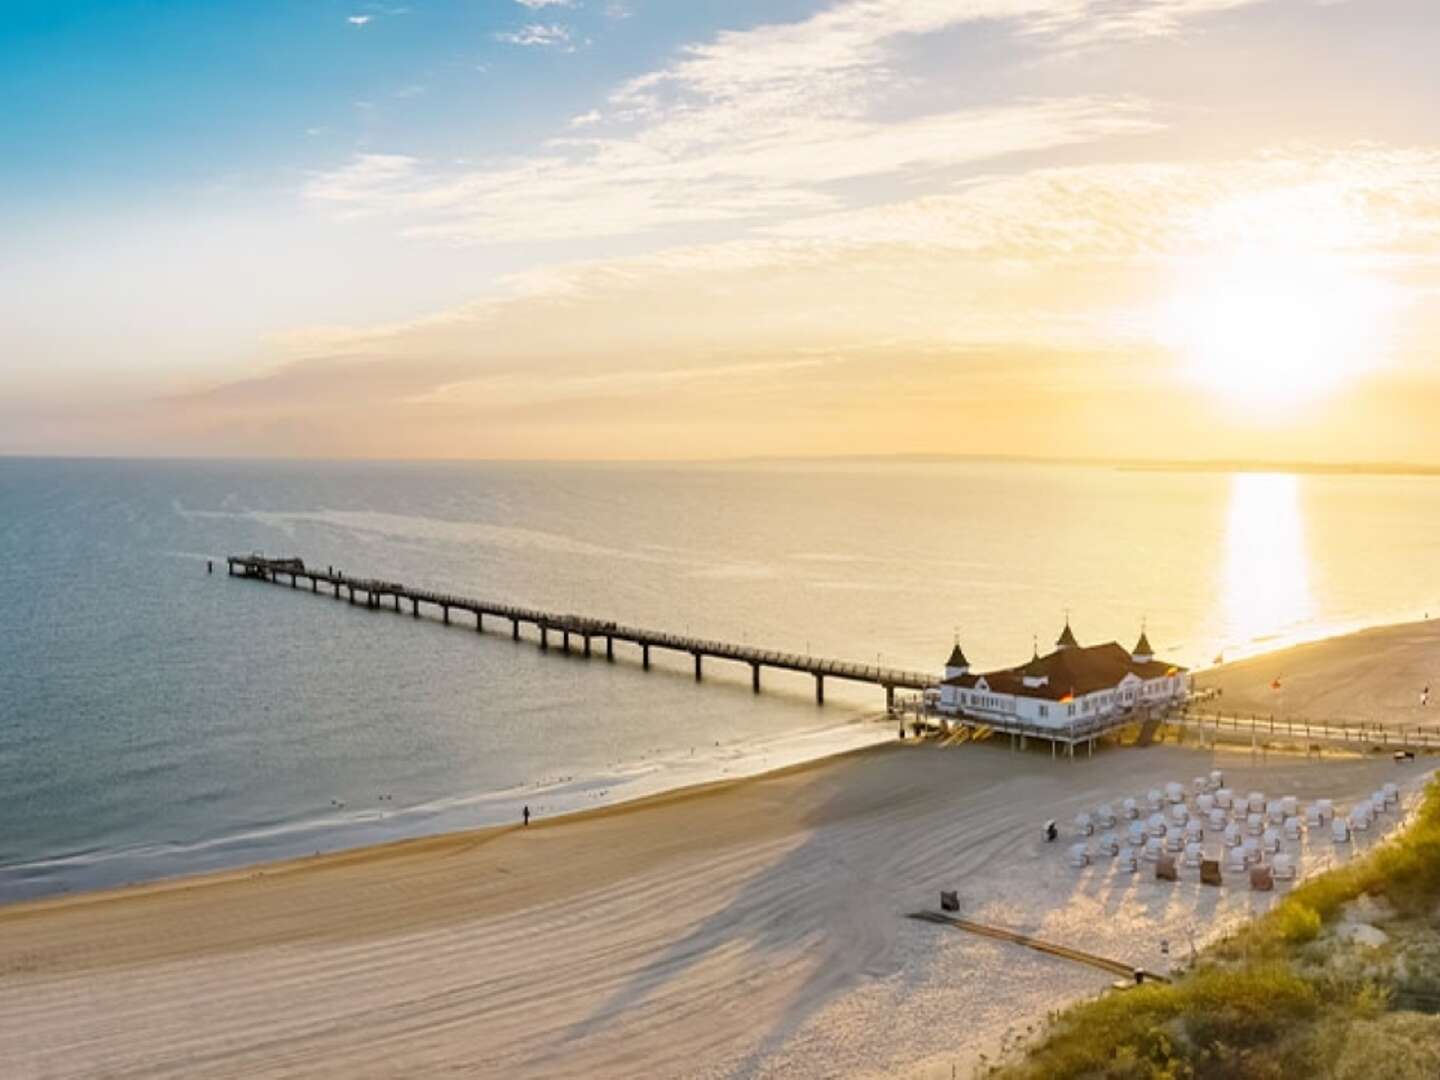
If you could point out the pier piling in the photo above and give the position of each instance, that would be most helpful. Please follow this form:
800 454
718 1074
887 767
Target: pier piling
375 591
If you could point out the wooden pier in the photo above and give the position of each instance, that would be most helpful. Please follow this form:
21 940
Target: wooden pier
588 633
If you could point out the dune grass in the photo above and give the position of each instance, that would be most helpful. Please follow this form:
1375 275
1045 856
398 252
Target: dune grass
1280 997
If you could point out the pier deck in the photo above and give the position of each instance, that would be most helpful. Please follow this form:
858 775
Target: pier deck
375 593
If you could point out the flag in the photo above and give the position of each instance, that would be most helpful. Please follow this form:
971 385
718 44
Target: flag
1276 684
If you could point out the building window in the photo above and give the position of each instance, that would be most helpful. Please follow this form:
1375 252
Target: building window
1069 710
1044 710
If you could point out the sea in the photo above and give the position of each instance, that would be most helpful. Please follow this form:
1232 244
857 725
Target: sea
158 718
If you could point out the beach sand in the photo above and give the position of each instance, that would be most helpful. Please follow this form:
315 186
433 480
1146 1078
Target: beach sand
750 927
1372 676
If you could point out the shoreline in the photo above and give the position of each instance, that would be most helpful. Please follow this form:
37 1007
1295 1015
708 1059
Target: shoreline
453 841
1243 678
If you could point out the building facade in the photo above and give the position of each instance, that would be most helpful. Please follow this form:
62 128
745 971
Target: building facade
1073 685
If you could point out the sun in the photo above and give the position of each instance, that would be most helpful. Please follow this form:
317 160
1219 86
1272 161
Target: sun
1267 328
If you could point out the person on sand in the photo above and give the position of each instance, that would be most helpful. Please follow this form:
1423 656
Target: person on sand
1425 696
525 815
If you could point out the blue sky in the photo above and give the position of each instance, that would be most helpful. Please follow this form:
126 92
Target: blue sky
556 221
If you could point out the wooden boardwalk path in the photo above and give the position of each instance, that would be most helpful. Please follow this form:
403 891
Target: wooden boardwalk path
589 632
1063 952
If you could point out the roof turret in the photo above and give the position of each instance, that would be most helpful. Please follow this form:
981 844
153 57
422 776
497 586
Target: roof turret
1142 649
1066 640
957 658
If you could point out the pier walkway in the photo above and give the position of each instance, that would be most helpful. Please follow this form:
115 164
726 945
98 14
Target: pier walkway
588 632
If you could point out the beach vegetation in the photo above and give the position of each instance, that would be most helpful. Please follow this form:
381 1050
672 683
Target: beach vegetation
1287 994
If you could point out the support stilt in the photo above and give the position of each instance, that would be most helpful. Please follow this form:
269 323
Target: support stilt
645 657
609 648
819 689
697 667
587 646
755 677
544 638
514 629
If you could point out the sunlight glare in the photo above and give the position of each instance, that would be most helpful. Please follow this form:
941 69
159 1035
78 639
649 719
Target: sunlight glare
1267 564
1268 328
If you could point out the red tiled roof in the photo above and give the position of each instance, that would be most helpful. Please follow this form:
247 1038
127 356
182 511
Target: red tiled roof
1074 670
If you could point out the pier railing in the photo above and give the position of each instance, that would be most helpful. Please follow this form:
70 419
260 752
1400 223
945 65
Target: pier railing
376 593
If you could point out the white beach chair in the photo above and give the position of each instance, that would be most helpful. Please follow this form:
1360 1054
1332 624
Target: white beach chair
1270 840
1254 823
1291 828
1153 848
1136 836
1340 831
1154 800
1175 792
1232 835
1199 786
1378 805
1283 867
1360 819
1314 819
1105 816
1274 811
1194 831
1179 814
1327 809
1174 840
1109 844
1126 862
1079 855
1218 820
1194 854
1235 860
1130 809
1204 803
1155 825
1084 826
1392 793
1251 848
1217 779
1255 802
1224 798
1290 805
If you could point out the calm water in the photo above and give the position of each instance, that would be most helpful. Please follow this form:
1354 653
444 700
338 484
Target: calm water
155 719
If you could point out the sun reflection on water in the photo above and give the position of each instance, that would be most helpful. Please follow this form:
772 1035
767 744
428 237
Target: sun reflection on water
1267 568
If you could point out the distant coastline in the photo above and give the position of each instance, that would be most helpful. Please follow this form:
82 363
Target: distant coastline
1165 465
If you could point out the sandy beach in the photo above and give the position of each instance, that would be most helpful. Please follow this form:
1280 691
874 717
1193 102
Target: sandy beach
750 927
1372 676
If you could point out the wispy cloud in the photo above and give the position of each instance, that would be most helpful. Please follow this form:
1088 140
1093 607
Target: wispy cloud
538 35
536 5
770 121
358 20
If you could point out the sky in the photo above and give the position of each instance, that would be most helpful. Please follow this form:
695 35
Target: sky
655 229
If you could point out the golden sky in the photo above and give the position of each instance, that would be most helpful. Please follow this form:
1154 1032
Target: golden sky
1096 228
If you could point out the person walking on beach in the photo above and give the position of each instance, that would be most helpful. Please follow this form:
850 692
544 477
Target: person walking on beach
1425 696
525 815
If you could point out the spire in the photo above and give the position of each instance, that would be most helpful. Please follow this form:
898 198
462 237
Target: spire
957 658
1142 650
1066 640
